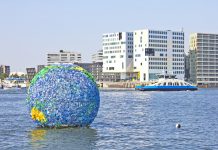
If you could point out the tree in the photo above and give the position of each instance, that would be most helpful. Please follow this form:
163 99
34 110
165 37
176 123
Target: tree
15 75
3 76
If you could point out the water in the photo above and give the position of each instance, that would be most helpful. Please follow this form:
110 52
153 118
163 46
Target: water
126 120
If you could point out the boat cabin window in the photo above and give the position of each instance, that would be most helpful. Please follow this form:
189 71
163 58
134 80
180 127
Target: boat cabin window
181 83
169 83
159 83
164 83
176 83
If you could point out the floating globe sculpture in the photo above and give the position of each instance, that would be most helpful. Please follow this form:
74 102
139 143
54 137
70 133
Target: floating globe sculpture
63 95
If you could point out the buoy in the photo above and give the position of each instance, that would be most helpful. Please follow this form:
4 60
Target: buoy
178 125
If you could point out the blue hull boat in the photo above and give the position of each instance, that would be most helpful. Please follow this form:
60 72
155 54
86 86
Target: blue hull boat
167 83
166 88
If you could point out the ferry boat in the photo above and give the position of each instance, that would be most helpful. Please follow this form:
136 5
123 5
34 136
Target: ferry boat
167 83
14 83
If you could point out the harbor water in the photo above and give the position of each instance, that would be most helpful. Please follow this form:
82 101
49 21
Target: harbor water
126 120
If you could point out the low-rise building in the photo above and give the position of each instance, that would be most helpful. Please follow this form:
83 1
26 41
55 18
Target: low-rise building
30 73
40 67
64 57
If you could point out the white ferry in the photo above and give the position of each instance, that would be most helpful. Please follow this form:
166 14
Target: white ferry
14 83
167 83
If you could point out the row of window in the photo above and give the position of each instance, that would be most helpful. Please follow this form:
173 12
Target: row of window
110 52
110 39
157 63
157 36
178 68
206 79
129 46
112 43
178 38
130 38
158 41
178 46
160 50
130 51
178 42
158 32
178 72
178 55
157 45
178 50
157 67
157 59
178 59
178 33
178 63
112 47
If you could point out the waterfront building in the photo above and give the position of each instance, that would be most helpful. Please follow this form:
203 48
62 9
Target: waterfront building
158 52
64 57
97 57
5 70
187 67
192 66
40 67
86 66
97 71
94 68
205 48
117 55
30 73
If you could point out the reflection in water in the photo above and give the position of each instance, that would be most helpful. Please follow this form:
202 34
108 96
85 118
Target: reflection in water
79 138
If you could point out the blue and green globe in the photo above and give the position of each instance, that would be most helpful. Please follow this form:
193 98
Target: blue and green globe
63 95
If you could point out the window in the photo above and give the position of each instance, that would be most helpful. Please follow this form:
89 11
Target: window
111 68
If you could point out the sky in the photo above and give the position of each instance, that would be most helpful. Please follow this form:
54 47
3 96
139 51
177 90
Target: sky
29 29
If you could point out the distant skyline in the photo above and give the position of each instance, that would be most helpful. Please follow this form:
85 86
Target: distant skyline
31 29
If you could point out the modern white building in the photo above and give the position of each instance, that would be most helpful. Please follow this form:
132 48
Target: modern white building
205 61
158 52
64 57
97 57
118 54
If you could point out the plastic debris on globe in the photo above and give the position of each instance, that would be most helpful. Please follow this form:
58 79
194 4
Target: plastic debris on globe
63 95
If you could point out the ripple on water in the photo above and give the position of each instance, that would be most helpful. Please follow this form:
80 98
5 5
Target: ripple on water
126 120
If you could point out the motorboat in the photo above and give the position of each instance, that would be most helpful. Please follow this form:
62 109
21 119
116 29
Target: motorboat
167 83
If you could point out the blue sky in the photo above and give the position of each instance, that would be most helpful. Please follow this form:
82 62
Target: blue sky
29 28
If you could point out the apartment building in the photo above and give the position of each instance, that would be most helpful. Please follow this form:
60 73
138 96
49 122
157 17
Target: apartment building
204 47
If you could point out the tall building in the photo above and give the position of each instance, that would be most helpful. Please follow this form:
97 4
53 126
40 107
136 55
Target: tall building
158 52
118 54
5 70
97 57
64 57
205 47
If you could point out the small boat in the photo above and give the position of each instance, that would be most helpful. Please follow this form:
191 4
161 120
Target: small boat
167 83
